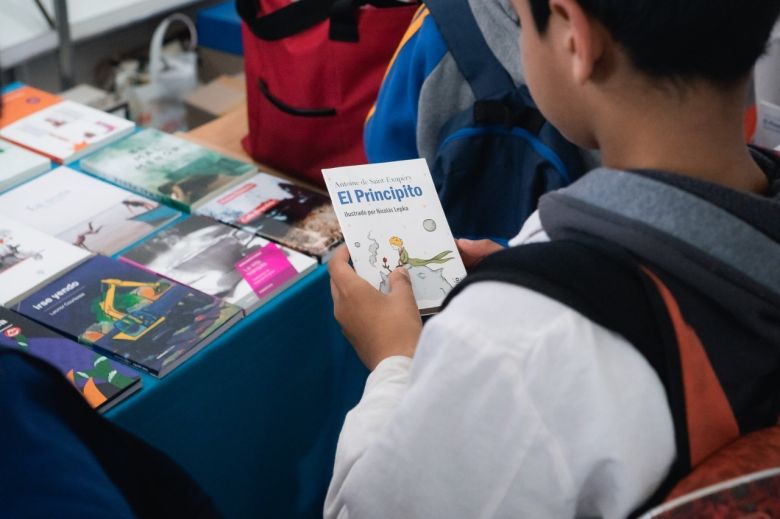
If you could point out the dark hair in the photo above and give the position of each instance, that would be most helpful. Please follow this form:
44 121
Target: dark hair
714 40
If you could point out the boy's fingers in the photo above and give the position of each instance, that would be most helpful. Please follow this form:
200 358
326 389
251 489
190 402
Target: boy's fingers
401 284
338 266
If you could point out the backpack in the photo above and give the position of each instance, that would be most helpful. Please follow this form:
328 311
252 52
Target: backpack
715 396
496 158
313 70
62 459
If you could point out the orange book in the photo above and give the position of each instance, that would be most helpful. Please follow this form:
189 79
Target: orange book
21 102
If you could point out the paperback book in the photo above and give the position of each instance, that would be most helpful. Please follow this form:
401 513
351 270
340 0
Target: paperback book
18 165
29 258
23 101
84 211
282 211
66 131
168 169
392 218
103 382
234 265
152 322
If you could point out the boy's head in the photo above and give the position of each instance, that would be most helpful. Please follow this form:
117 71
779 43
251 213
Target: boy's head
572 48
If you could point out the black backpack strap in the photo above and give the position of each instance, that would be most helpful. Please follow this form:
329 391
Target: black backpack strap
484 73
608 286
304 14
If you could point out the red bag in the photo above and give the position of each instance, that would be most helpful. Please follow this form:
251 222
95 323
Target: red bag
313 71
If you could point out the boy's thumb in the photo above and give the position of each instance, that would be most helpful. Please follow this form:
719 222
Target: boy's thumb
400 278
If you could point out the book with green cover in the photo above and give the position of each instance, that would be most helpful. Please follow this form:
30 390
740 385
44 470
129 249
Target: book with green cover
172 170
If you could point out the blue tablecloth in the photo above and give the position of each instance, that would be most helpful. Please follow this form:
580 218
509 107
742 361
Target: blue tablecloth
255 416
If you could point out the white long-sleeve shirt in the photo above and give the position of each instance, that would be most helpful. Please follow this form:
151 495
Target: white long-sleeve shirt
513 406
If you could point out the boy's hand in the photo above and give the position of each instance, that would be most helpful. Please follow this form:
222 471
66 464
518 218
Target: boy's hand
378 325
474 251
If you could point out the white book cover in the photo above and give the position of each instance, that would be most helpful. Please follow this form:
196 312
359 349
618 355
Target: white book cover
30 258
18 164
84 211
221 261
66 131
391 218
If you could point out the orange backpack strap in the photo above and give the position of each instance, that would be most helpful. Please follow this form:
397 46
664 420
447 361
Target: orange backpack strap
709 417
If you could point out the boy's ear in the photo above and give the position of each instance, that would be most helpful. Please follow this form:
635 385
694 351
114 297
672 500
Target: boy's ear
583 40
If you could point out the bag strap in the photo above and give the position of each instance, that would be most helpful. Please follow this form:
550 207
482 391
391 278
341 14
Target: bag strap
608 286
476 61
304 14
156 64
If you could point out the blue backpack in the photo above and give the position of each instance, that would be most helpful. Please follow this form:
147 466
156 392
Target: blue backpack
497 158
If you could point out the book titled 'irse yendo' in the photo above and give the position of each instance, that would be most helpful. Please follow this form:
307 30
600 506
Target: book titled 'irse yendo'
151 322
391 218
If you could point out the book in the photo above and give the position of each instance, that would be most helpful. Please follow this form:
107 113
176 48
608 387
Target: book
282 211
166 168
392 218
20 102
152 322
18 165
234 265
750 497
29 258
103 382
84 211
66 131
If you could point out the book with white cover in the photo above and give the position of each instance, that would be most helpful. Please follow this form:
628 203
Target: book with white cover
392 218
18 165
84 211
66 131
222 261
30 258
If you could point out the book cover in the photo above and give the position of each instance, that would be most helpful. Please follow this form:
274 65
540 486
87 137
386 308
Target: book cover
18 165
101 381
67 130
234 265
755 496
152 322
23 101
282 211
392 218
29 258
84 211
167 168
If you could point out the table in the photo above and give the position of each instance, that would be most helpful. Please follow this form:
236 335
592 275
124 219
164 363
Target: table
255 416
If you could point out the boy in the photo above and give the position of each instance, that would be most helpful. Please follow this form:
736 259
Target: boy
516 404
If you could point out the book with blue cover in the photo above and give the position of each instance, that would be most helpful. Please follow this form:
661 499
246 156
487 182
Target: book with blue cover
152 322
101 381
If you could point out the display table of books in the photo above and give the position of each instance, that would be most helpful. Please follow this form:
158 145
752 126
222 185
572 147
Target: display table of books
181 288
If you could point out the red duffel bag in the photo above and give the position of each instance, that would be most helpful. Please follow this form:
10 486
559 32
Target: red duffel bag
313 70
